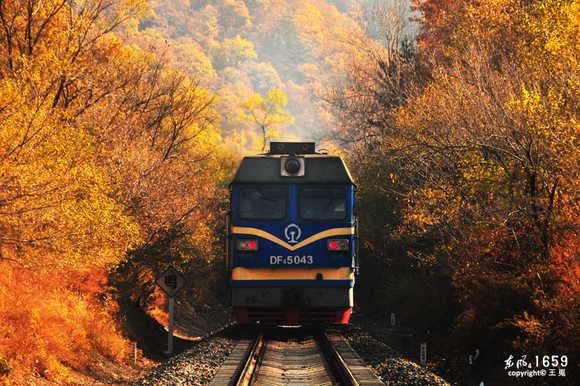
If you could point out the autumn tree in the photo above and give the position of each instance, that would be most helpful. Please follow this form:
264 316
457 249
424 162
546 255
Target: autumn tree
267 113
56 195
233 16
232 52
309 22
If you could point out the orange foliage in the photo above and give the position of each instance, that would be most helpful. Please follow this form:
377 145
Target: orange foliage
505 286
55 320
435 14
484 148
158 307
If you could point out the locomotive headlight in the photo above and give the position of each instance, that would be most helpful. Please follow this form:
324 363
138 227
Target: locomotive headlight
247 245
292 166
337 244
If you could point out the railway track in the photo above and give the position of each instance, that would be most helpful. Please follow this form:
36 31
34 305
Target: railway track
294 356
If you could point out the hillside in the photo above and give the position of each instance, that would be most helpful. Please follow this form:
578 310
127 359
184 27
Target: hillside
238 49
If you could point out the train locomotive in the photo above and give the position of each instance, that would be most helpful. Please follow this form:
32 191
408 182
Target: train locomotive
292 237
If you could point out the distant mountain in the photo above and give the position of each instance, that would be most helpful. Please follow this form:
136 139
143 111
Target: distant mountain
237 48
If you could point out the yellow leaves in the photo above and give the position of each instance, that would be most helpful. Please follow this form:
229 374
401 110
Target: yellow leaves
267 113
532 327
231 52
133 7
546 117
101 148
58 199
551 27
309 23
428 208
72 114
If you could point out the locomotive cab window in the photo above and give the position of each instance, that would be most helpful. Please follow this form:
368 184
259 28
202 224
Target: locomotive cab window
322 204
262 204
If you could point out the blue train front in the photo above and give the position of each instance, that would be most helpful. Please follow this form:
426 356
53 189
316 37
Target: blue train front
292 237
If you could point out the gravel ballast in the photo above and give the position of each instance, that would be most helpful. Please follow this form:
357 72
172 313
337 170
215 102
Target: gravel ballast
199 364
388 364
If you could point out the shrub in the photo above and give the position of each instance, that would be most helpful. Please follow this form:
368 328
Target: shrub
53 321
5 367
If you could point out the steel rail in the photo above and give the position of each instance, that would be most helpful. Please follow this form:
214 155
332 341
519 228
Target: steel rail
316 357
252 359
335 361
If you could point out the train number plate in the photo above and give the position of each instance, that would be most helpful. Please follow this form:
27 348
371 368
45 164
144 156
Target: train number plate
291 260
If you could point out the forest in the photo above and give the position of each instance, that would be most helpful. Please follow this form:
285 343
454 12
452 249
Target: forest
465 147
122 122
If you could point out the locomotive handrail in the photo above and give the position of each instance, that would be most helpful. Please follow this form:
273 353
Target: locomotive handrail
356 243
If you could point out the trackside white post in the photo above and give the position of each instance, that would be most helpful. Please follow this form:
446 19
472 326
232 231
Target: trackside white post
170 327
392 320
134 351
423 354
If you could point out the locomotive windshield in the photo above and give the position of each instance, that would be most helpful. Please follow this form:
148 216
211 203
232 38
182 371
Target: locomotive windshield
322 204
262 204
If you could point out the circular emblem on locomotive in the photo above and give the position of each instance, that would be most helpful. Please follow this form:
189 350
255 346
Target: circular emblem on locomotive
292 233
